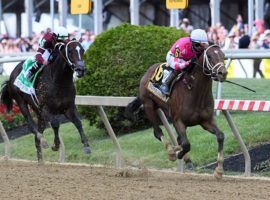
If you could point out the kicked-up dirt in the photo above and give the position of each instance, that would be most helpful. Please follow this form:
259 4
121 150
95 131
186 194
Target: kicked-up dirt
22 180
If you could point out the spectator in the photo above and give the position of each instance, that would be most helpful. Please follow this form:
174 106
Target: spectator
27 44
24 45
244 42
265 42
257 62
259 26
238 26
230 42
185 26
86 41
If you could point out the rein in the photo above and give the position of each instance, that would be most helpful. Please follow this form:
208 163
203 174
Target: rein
59 46
208 65
66 58
210 68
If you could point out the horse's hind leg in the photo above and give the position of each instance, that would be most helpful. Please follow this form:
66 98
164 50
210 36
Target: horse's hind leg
182 138
71 114
152 116
32 127
41 128
55 126
212 128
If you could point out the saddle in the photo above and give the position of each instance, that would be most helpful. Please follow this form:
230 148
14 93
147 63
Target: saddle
155 81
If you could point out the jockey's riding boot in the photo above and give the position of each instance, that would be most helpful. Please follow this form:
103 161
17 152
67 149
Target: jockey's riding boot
168 77
31 73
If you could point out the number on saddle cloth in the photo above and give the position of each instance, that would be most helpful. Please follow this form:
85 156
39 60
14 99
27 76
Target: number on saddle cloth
158 74
27 65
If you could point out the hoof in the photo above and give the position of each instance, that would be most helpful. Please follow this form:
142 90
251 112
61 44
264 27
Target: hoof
189 166
172 157
171 153
218 173
40 162
44 143
55 148
86 150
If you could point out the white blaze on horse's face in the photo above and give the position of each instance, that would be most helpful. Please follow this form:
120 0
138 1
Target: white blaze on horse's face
74 56
78 50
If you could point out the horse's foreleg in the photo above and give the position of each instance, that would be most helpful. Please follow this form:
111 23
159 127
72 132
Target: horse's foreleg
55 126
71 114
212 128
151 114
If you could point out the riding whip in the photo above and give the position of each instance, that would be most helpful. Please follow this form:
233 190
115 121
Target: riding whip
240 86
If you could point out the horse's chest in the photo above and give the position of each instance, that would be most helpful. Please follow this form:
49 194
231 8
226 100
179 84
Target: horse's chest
59 106
57 101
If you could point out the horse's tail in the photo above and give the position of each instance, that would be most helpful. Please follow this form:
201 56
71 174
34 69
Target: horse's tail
134 111
6 98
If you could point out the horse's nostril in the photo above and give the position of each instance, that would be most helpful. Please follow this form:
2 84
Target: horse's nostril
222 73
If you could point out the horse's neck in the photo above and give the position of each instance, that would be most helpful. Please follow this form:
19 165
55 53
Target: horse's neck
61 72
202 87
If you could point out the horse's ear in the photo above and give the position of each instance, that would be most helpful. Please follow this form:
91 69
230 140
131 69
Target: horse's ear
211 43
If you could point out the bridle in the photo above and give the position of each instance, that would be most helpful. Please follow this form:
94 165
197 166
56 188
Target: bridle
208 68
59 45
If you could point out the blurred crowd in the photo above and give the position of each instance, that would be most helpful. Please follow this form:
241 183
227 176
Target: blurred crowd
30 44
237 37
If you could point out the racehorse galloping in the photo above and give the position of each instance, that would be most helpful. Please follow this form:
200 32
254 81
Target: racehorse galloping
55 92
187 107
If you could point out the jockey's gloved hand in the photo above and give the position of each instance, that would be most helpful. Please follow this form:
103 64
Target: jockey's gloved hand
45 63
192 61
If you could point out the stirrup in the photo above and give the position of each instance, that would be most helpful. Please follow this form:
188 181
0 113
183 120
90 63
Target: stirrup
164 89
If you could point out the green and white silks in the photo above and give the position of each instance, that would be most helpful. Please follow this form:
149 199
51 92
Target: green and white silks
22 82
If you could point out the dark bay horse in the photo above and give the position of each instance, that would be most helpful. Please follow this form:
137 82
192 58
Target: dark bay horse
187 107
55 92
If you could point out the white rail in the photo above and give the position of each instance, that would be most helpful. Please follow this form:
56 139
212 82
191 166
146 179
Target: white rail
17 54
229 54
100 101
123 101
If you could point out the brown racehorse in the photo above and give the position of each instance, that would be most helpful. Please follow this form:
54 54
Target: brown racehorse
187 107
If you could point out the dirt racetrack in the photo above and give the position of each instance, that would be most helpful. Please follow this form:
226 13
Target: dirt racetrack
21 180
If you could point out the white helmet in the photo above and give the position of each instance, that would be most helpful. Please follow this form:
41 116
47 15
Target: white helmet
199 35
61 33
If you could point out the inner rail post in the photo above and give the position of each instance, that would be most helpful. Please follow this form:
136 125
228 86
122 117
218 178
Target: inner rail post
240 142
119 161
6 141
167 126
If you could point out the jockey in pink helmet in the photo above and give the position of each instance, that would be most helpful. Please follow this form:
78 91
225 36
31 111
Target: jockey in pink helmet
180 55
